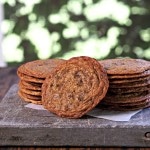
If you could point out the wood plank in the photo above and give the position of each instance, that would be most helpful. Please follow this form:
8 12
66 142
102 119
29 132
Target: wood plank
78 148
58 148
28 127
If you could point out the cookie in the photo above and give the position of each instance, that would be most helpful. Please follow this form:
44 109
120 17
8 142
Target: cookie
39 102
30 85
39 68
137 106
30 92
30 78
119 91
129 98
129 80
139 102
75 87
131 85
143 74
125 66
133 94
33 97
137 75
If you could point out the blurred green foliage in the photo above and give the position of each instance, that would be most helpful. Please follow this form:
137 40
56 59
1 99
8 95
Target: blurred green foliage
133 39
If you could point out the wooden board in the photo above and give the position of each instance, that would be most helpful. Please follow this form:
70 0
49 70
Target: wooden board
28 127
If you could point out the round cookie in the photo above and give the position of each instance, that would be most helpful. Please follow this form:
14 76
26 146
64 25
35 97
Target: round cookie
129 80
137 106
33 97
125 66
30 92
75 87
39 68
131 85
123 99
30 78
133 94
120 91
29 100
137 75
30 85
139 102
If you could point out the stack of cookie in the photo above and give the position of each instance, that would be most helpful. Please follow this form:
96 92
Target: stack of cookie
129 84
32 76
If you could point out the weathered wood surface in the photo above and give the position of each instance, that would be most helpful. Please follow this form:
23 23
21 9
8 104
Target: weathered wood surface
25 126
8 77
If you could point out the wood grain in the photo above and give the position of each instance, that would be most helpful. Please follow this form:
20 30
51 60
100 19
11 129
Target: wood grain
59 148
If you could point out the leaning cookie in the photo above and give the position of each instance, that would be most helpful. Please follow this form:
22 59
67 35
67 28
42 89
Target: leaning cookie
75 87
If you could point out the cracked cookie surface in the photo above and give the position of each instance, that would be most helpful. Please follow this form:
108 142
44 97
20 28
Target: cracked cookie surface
75 87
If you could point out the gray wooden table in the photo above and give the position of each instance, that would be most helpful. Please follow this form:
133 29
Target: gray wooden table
24 126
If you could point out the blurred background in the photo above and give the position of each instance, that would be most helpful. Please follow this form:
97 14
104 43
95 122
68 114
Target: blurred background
41 29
